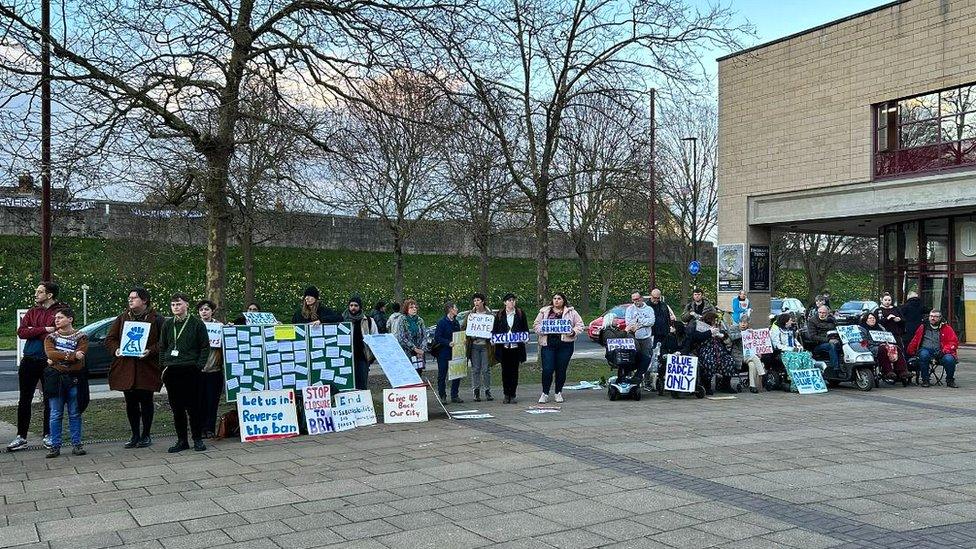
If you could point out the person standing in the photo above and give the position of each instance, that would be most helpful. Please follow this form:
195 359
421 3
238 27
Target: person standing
137 377
663 333
479 352
379 316
412 334
184 350
698 305
252 307
65 380
314 311
912 312
36 325
741 306
444 342
640 319
556 349
510 320
212 376
361 325
936 339
891 317
393 321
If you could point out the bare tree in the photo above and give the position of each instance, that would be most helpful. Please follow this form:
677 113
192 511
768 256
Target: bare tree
819 255
390 160
526 62
689 189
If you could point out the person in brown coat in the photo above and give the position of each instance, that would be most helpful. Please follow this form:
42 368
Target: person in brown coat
137 377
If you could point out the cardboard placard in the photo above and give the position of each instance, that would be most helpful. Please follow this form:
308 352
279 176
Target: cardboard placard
405 405
457 368
397 366
881 336
804 375
258 319
849 334
621 343
681 373
134 338
556 326
480 325
267 415
358 405
317 402
215 331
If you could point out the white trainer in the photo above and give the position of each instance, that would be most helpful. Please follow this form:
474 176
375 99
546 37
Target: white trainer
559 397
544 398
17 443
47 442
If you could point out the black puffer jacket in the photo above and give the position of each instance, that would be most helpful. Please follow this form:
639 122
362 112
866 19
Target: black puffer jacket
817 329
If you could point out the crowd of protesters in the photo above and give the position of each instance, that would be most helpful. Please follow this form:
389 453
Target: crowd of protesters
178 353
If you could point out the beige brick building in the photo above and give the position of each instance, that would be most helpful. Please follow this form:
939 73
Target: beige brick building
866 126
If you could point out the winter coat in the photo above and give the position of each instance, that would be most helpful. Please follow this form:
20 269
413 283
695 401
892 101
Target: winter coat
817 329
192 346
444 335
895 327
568 313
520 324
471 341
128 372
409 341
739 308
699 309
325 315
912 313
662 320
947 339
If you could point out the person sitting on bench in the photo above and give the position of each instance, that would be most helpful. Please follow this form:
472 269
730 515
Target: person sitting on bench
935 339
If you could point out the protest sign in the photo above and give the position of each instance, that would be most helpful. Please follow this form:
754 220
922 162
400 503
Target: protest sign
399 368
556 326
756 343
681 373
358 405
317 402
510 338
806 377
457 368
621 343
331 355
65 345
286 356
480 325
260 318
134 337
849 334
215 331
881 336
21 313
243 360
266 415
405 405
343 417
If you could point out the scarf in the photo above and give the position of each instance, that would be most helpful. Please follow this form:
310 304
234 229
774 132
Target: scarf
413 324
141 317
347 316
310 312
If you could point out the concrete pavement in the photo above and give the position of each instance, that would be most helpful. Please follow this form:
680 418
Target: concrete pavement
895 467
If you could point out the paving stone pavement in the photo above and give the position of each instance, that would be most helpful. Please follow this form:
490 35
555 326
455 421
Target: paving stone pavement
892 468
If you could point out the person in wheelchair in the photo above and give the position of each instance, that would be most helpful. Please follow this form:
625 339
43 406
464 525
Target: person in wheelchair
887 355
630 365
753 362
783 337
935 340
819 336
706 340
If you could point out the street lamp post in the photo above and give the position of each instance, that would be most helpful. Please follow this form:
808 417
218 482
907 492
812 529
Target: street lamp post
652 221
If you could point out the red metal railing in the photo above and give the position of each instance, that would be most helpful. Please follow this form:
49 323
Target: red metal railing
928 158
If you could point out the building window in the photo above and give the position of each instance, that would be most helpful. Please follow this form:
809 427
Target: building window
929 132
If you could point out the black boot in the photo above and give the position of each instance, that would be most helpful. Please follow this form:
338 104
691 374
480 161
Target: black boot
179 446
488 396
477 395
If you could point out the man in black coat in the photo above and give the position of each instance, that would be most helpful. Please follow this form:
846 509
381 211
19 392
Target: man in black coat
913 313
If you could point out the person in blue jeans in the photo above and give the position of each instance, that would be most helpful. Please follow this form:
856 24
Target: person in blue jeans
444 340
557 338
65 382
818 333
935 339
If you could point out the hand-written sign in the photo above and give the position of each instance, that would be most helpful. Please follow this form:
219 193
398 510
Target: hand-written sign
480 325
134 337
215 333
621 343
457 368
286 354
882 336
756 343
510 338
681 373
243 360
849 334
399 370
65 345
260 318
317 401
405 405
358 404
266 415
805 376
556 326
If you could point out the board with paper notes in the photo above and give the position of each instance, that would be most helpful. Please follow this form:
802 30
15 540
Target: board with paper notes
244 369
331 356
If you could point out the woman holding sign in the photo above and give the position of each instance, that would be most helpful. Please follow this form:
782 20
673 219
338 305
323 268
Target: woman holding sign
510 322
557 326
412 334
135 368
65 380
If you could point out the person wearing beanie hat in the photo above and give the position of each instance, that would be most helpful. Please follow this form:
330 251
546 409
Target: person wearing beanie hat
314 311
361 324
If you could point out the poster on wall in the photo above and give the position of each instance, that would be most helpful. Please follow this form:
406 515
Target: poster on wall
730 262
759 273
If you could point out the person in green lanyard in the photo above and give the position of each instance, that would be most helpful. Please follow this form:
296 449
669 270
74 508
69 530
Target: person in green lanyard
184 349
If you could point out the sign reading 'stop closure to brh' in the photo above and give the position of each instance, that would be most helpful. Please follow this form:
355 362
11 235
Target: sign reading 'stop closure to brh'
681 373
317 401
556 326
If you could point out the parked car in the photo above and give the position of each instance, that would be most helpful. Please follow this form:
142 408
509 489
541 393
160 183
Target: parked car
780 305
98 360
595 327
851 311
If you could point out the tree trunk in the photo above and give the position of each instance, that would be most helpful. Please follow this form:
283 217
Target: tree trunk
541 215
247 256
398 267
483 249
584 262
218 219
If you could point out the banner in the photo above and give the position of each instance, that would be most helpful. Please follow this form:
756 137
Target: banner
881 336
556 326
331 355
681 373
480 325
805 376
510 338
621 343
849 334
134 337
267 415
399 368
259 318
756 342
286 355
457 368
358 405
730 264
317 402
759 269
405 405
243 360
215 331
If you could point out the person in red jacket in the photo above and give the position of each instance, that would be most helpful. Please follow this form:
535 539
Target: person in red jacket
935 339
34 327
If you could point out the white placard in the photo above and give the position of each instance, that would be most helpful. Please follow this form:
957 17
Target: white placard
681 373
134 338
849 334
556 326
317 402
881 336
359 404
621 343
215 331
756 343
260 318
480 325
399 369
405 405
510 338
266 415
